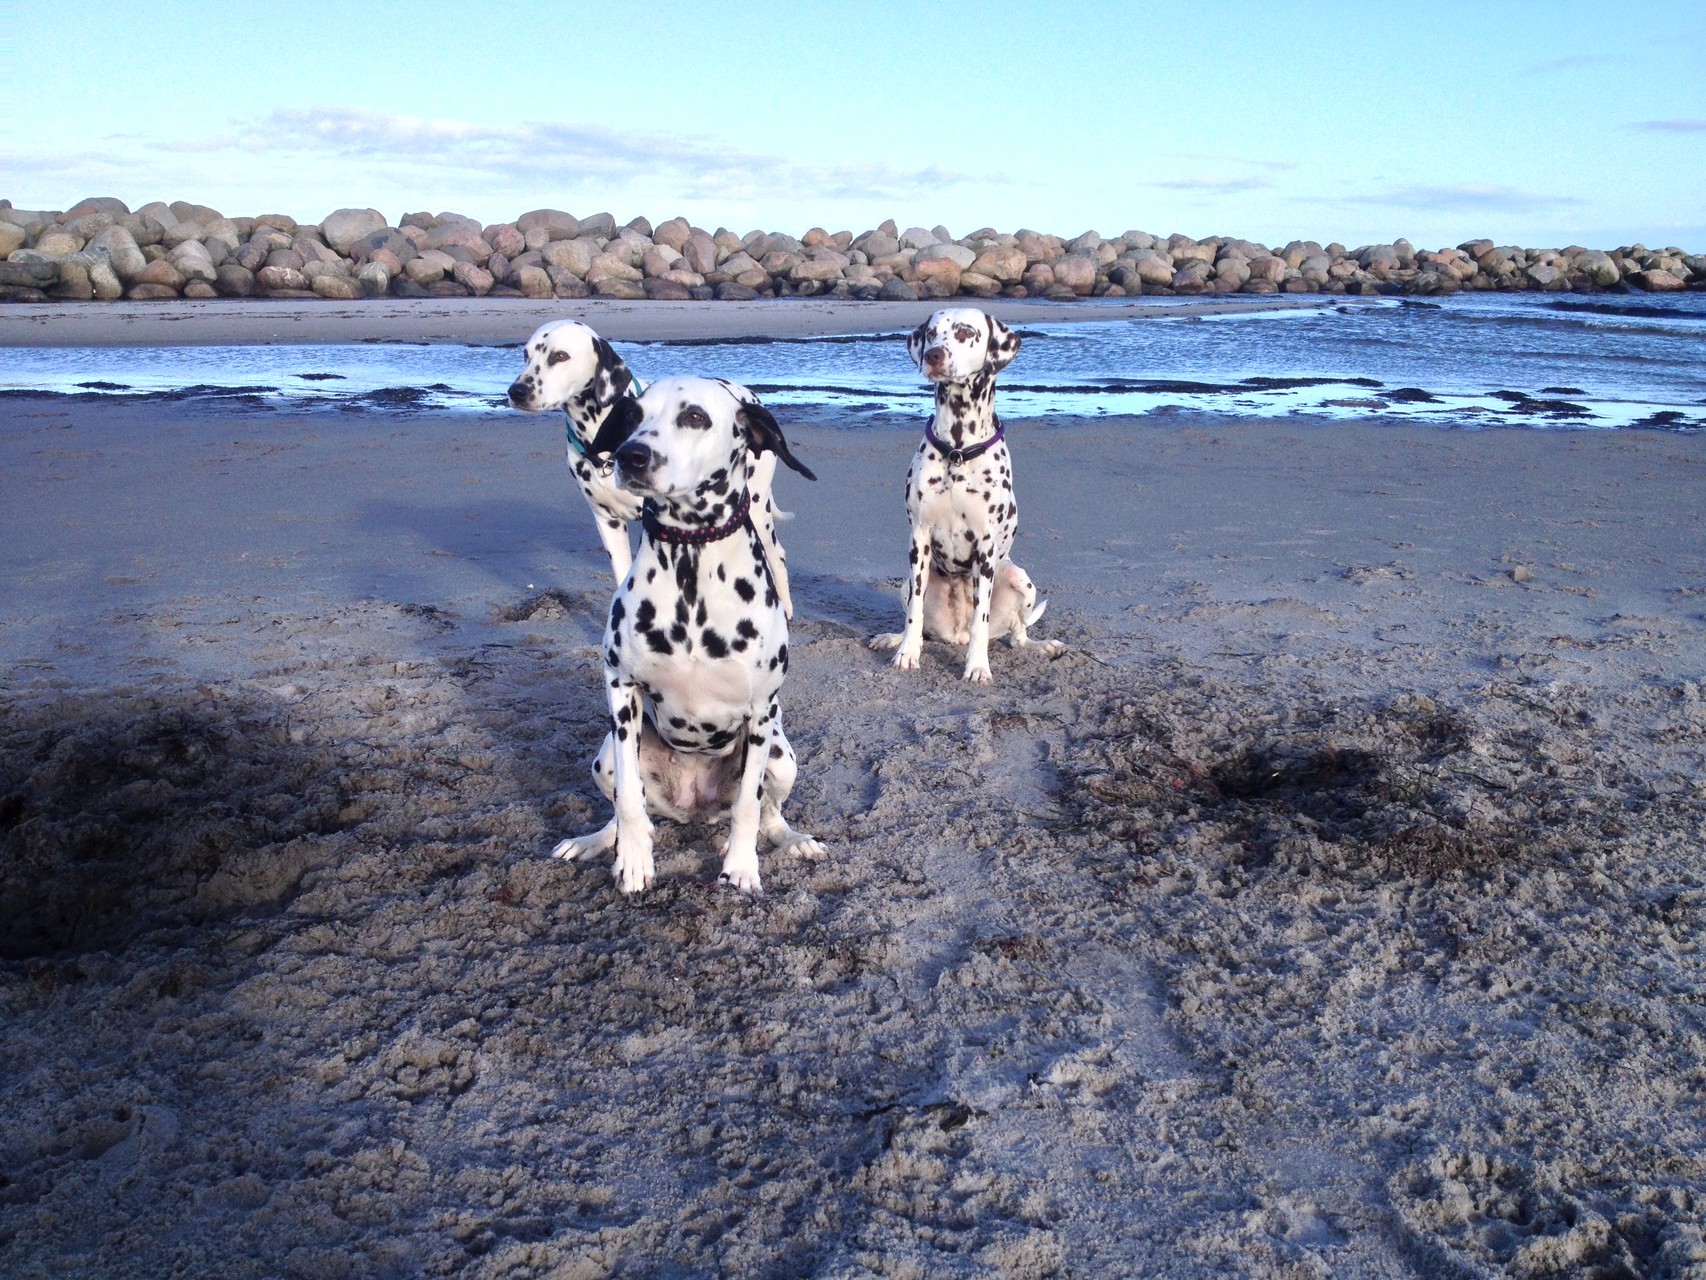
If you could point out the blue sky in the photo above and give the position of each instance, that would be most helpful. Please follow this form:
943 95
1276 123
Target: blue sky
1529 123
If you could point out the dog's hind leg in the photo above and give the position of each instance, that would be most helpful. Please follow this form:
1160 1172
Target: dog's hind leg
780 770
600 841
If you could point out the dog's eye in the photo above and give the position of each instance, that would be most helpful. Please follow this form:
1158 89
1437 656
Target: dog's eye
557 357
695 417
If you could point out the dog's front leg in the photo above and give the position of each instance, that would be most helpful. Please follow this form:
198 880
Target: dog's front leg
613 533
917 579
983 591
633 869
740 857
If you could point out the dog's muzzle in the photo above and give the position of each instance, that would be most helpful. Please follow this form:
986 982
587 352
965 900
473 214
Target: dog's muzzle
521 394
634 462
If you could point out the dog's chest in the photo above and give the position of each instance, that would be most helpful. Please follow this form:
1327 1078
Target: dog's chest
701 631
965 505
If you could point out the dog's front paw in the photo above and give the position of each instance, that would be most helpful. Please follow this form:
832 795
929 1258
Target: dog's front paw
579 847
744 878
888 640
634 869
907 658
979 673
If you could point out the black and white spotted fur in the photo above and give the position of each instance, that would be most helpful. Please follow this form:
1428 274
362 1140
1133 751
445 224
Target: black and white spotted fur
569 367
963 511
696 646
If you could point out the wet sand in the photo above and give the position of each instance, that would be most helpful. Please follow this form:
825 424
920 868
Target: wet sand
1331 907
481 321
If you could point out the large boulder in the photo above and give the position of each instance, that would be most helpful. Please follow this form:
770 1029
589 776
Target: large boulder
1600 268
1004 263
335 287
573 256
1153 268
657 260
507 239
270 278
534 282
161 273
940 270
700 251
95 204
119 247
12 238
556 224
234 281
602 225
820 269
34 273
1078 273
105 282
958 254
374 277
672 234
58 243
73 284
385 240
1657 281
193 261
609 267
184 211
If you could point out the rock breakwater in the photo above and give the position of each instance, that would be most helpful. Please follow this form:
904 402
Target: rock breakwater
100 249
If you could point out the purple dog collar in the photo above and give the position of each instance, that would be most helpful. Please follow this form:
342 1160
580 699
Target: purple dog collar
662 532
956 456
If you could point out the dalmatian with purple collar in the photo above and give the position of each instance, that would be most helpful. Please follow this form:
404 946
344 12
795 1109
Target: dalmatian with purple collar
959 497
696 645
569 367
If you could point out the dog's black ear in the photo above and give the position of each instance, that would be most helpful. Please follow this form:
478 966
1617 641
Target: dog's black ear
613 380
1003 345
763 434
915 343
617 426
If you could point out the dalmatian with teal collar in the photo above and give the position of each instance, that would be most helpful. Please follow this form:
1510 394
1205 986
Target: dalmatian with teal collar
569 367
696 645
959 497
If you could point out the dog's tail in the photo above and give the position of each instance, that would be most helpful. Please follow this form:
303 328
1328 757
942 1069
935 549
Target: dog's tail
1036 613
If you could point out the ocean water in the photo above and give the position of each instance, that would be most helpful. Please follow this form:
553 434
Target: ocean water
1543 361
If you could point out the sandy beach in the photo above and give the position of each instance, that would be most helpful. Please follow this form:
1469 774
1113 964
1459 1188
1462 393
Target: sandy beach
220 322
1331 907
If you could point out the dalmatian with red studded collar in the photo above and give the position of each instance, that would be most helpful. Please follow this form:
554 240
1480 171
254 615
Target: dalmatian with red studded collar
959 493
569 367
696 646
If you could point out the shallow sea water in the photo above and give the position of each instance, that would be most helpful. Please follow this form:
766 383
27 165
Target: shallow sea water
1605 361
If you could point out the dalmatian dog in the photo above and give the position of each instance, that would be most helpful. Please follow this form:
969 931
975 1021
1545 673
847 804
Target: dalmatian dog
569 367
696 646
959 494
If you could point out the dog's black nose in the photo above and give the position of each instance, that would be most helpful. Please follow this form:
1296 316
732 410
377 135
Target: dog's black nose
518 392
634 458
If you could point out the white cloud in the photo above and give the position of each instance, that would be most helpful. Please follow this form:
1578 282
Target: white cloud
1575 62
569 156
1215 184
1468 197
